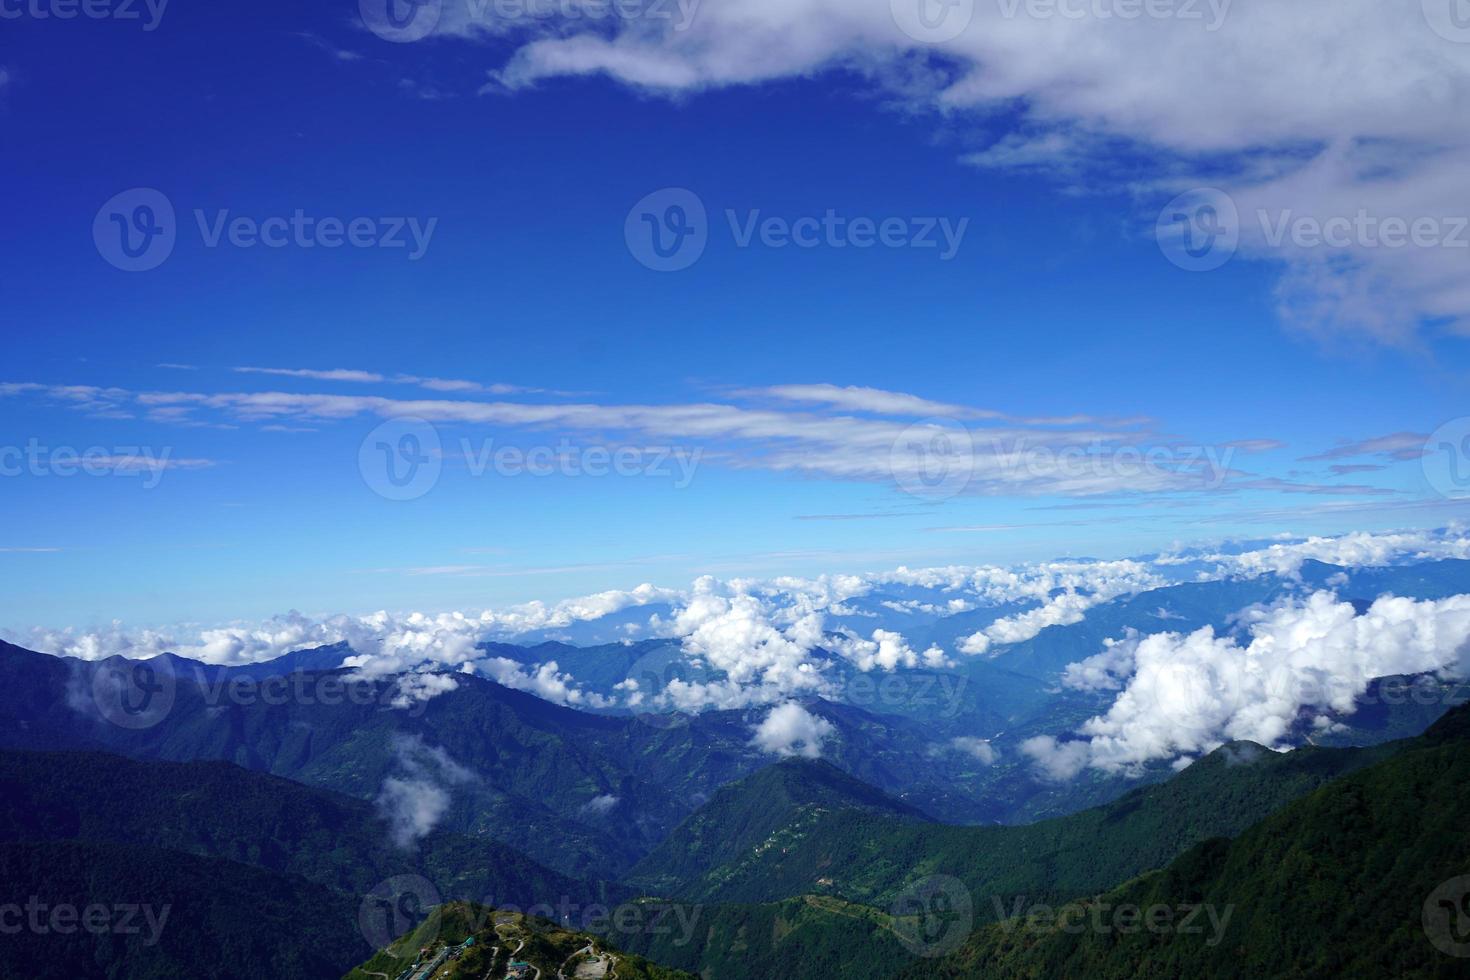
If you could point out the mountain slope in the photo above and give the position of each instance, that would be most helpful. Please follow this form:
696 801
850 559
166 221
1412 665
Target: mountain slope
469 941
166 915
1363 878
215 809
769 810
866 854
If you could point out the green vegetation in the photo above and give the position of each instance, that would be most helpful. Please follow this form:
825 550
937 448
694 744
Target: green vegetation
167 915
1334 885
770 838
482 941
215 809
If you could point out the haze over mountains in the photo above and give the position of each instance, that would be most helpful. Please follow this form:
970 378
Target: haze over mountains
1135 723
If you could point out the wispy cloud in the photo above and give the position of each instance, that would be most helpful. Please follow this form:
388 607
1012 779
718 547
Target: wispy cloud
1071 455
448 385
1398 446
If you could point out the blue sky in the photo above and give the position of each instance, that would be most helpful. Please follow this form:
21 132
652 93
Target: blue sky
1057 303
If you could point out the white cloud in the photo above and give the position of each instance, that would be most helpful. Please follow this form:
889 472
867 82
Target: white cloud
330 374
1078 455
766 641
886 651
1066 591
1354 550
546 681
1187 694
1323 107
414 801
790 730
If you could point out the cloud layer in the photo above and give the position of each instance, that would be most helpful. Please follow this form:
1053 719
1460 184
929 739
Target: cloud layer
748 642
1306 660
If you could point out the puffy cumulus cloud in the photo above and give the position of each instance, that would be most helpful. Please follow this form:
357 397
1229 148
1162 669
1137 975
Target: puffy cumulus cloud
1319 108
749 642
1307 659
885 651
1355 550
546 681
791 730
417 687
539 615
1066 590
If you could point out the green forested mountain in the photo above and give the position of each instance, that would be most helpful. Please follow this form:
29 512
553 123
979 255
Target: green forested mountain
87 910
470 941
755 843
1363 878
767 813
215 809
1384 823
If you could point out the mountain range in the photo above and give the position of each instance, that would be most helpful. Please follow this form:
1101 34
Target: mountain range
914 835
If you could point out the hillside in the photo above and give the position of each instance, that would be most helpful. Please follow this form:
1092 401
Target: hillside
167 915
466 941
742 848
215 809
1362 878
767 812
